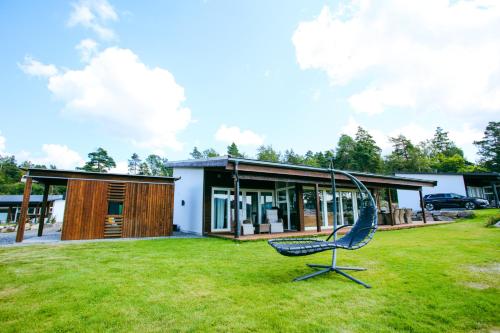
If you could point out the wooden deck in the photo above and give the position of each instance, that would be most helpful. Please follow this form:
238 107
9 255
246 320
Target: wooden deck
313 233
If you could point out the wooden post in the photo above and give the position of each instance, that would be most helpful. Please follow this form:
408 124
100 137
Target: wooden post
41 220
422 205
391 213
495 192
237 202
300 205
318 209
24 210
9 214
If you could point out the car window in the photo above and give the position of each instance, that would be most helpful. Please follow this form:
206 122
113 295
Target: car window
456 196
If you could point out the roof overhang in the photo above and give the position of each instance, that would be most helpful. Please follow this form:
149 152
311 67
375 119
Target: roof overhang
61 177
262 170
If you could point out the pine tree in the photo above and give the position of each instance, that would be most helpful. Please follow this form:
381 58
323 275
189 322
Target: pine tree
489 147
133 164
99 161
196 154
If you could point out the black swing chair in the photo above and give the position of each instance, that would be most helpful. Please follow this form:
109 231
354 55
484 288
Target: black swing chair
360 234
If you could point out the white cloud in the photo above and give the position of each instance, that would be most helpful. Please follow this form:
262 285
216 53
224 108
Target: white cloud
94 15
51 154
116 90
34 67
229 134
59 155
87 48
121 167
428 55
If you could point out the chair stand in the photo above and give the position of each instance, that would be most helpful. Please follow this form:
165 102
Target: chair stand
337 269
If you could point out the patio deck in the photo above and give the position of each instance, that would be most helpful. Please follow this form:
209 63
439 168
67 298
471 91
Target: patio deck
313 233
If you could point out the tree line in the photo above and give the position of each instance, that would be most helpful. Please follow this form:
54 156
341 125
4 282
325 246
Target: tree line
361 153
357 153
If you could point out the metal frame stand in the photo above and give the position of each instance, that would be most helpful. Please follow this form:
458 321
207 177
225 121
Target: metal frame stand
334 269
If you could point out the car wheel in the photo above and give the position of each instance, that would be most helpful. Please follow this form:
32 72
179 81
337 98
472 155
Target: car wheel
429 206
470 205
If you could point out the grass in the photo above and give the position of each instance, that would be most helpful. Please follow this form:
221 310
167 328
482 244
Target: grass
436 279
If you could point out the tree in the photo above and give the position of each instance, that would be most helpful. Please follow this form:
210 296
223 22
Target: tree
196 154
9 172
441 144
156 166
133 164
267 153
345 152
232 150
367 155
210 152
143 169
291 157
311 159
489 147
99 161
406 156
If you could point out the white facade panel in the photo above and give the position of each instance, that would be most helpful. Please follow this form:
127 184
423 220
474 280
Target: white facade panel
189 190
445 184
58 210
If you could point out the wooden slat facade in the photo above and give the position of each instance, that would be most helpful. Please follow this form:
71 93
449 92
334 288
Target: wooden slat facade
148 210
86 209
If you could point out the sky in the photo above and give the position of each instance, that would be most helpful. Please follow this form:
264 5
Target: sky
164 76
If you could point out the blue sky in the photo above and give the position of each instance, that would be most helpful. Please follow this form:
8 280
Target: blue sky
164 76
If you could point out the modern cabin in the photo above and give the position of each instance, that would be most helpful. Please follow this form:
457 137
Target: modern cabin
104 205
207 190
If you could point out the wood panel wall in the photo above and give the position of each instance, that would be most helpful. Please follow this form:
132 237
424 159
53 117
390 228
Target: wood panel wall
148 210
86 209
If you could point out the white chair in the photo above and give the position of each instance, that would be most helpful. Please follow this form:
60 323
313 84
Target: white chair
275 224
247 228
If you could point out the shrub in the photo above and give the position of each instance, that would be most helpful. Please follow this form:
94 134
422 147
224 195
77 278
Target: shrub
492 220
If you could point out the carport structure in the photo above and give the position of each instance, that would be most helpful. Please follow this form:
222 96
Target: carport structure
104 205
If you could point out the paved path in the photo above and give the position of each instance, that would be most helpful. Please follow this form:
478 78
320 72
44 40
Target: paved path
54 237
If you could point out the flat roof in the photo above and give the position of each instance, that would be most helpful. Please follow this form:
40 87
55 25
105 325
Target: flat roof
60 177
227 162
18 199
496 174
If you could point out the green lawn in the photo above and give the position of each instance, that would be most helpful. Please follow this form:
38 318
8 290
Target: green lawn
436 279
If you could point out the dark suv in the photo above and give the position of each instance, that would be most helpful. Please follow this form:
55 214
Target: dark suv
452 200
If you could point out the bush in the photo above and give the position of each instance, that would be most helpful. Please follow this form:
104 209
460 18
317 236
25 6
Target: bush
493 220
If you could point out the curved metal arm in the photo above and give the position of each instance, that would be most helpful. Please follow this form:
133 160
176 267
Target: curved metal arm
335 230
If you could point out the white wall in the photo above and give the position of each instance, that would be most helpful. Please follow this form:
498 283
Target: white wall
190 189
58 210
445 184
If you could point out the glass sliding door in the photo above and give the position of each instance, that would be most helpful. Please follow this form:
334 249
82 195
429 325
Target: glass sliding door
347 207
266 202
220 210
252 206
309 197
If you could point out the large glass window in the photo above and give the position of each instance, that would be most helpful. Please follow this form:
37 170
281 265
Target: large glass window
220 210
